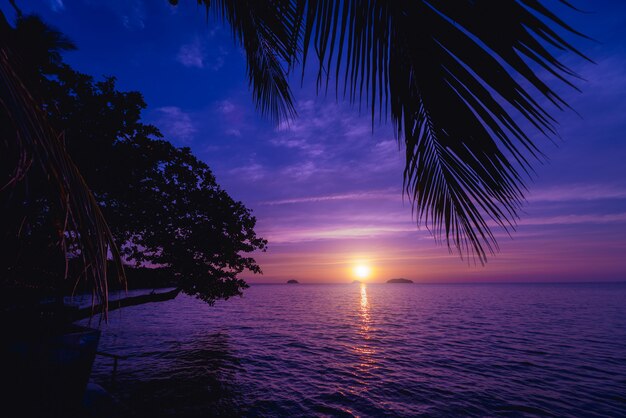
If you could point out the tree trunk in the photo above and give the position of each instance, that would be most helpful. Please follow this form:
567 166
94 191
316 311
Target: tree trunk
126 302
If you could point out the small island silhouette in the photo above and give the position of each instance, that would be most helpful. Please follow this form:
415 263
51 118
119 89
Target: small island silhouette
292 281
356 281
400 280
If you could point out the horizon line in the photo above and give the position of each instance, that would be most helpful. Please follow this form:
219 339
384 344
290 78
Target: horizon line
622 281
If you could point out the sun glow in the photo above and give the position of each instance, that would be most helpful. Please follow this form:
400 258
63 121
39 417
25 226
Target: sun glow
362 271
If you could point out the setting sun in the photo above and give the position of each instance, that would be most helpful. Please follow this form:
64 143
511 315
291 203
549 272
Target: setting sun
362 271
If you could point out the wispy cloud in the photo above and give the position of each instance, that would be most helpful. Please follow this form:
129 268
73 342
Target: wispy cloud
576 219
219 59
196 54
578 192
226 106
57 5
375 194
250 172
132 13
310 148
233 132
339 142
294 235
300 171
218 63
191 54
175 123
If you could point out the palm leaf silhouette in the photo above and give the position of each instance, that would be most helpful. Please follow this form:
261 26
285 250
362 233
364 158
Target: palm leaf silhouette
84 230
456 77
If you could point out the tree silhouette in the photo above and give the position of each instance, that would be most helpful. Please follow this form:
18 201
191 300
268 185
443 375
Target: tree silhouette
29 143
163 206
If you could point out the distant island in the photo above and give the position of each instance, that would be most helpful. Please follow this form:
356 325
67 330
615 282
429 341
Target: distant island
293 281
356 281
400 280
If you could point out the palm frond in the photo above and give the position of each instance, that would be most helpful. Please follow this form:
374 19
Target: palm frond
463 81
265 31
85 226
473 69
459 78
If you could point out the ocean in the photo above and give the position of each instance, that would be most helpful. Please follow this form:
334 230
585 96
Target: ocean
373 350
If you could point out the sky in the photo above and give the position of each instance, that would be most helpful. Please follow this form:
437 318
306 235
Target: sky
325 189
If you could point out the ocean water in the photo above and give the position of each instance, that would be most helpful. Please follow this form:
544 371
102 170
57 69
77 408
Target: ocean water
374 350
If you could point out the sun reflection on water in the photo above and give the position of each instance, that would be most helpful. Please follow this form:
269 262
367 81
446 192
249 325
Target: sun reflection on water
364 304
363 348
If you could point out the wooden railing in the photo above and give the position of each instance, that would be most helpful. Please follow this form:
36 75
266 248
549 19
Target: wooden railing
115 358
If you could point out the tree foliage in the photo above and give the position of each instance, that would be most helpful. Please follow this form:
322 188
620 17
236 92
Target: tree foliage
30 144
162 204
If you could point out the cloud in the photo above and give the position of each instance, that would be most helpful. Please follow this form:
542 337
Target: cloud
233 132
354 215
250 172
308 147
232 119
132 13
576 219
300 171
191 55
375 194
337 233
578 192
340 143
219 63
57 5
175 123
219 59
226 106
196 55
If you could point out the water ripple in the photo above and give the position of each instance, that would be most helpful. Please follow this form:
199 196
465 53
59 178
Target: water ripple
375 350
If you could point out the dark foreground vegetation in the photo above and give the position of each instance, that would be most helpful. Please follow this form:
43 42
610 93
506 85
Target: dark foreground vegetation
174 225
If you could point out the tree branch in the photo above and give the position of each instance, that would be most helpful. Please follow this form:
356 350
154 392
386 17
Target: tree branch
126 302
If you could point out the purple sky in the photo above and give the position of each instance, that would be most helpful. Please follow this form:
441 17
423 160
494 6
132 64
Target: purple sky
327 192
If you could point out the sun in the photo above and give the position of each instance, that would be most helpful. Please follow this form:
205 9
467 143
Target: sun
362 271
